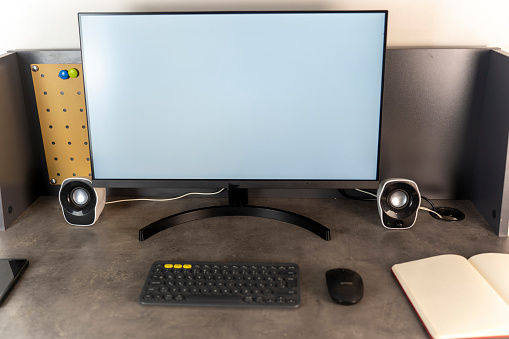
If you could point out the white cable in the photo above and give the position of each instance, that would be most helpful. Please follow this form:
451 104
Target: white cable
431 211
167 199
366 192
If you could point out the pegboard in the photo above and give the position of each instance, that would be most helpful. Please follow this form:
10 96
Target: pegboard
63 121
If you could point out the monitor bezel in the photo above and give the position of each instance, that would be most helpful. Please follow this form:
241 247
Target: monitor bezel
242 183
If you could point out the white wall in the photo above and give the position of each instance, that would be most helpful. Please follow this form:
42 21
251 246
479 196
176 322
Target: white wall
50 24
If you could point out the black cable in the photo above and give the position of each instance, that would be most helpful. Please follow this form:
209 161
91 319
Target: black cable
356 197
429 202
445 213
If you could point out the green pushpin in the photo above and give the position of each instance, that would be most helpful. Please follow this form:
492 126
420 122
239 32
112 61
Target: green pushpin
73 73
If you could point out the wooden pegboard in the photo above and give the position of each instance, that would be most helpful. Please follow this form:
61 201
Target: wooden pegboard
63 121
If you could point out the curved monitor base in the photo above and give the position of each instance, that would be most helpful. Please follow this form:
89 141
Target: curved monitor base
234 209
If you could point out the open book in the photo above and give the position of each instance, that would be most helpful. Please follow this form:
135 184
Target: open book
459 298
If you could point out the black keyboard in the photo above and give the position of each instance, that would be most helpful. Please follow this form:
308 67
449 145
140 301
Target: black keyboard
188 283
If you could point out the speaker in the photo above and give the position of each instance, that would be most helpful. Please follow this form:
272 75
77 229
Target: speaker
398 202
81 203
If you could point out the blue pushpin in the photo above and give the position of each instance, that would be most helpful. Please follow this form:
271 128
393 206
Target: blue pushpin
63 74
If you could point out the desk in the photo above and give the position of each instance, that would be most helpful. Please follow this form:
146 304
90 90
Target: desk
84 282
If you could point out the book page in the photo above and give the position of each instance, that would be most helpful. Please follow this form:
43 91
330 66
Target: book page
452 299
494 267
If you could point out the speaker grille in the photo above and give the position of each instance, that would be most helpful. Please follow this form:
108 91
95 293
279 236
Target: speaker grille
78 197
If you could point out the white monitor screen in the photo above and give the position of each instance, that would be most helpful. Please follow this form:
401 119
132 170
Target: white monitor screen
234 96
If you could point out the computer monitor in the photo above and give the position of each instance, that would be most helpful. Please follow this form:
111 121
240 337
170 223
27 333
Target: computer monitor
234 99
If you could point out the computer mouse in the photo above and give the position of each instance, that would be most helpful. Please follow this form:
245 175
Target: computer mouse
345 286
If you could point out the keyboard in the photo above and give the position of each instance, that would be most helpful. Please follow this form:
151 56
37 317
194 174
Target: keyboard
192 283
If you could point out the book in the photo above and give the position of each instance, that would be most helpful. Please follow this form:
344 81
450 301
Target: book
457 297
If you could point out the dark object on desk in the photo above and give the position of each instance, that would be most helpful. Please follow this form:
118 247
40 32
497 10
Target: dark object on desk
238 206
345 286
81 202
186 283
10 272
398 202
448 214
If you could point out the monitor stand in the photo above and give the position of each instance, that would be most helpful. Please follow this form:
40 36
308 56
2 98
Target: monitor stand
238 206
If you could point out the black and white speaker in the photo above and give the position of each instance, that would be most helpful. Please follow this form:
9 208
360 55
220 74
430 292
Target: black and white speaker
398 202
81 202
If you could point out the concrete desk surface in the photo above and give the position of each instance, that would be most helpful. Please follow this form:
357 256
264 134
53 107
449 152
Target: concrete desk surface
84 282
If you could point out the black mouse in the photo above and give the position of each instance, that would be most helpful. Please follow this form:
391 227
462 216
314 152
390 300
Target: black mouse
345 286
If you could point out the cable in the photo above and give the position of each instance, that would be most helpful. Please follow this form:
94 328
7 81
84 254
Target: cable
354 197
431 211
366 192
167 199
443 213
429 202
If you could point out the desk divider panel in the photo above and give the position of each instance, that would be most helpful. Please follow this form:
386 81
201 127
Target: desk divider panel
19 186
490 191
433 101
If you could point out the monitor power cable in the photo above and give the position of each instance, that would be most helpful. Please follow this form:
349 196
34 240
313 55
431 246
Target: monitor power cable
165 199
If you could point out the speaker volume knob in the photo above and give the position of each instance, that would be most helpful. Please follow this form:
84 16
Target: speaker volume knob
79 196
